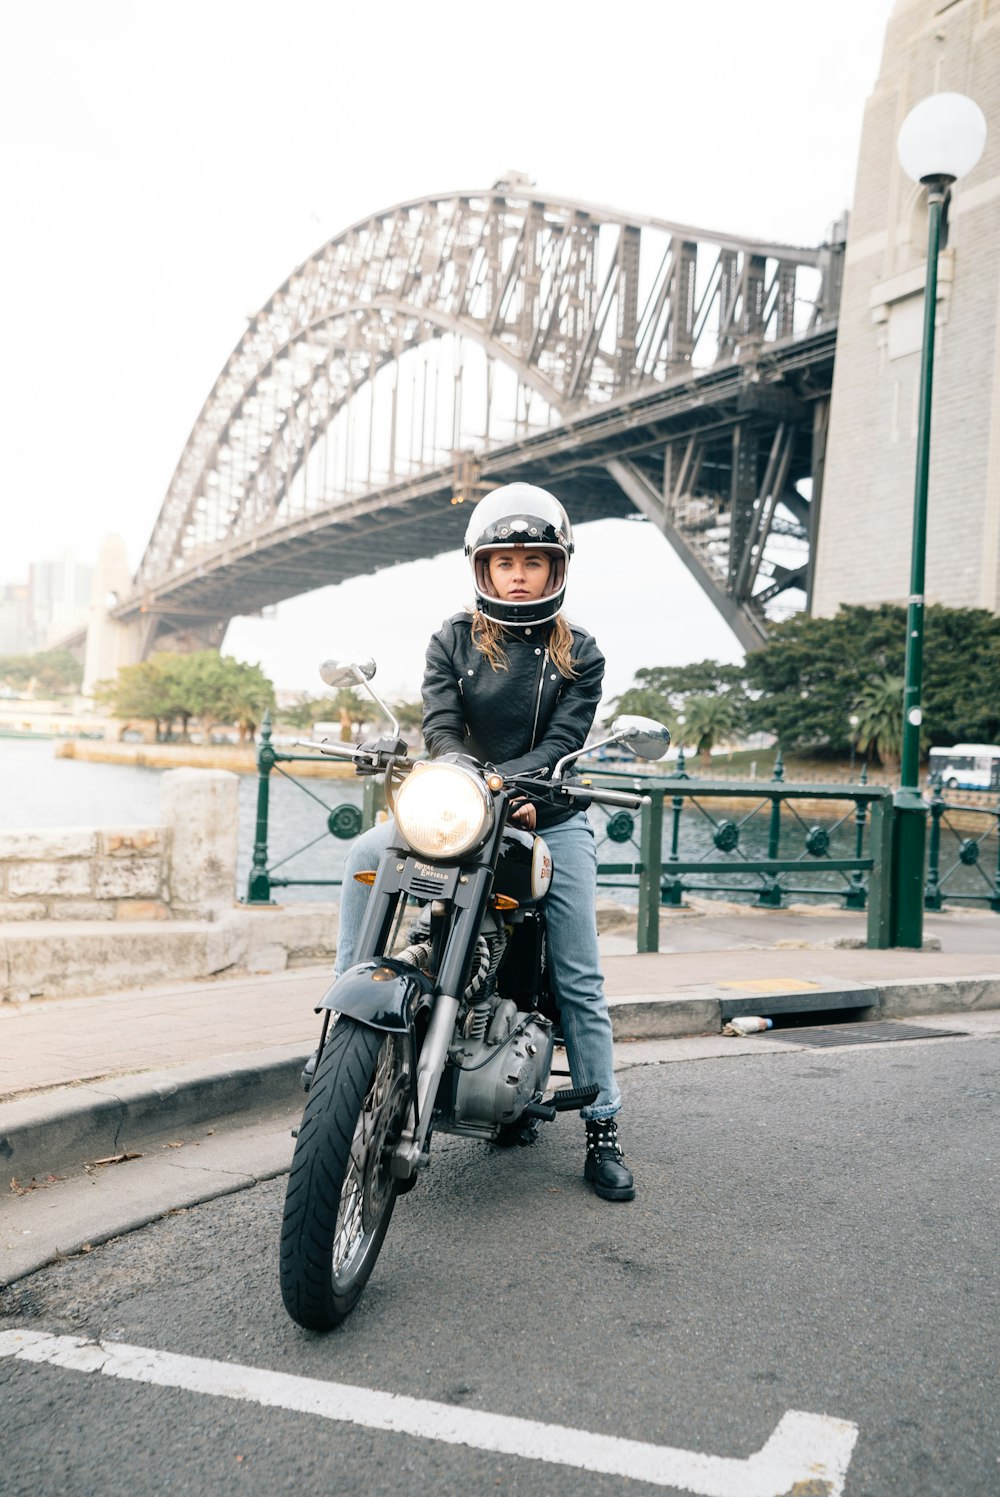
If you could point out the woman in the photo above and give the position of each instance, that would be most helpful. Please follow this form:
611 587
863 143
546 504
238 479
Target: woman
515 685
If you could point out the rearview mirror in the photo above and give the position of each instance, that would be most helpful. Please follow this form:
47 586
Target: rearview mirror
643 735
339 673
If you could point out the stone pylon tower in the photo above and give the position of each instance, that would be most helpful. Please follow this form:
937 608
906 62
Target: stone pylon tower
109 644
865 528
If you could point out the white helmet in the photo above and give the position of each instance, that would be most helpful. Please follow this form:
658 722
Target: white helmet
519 515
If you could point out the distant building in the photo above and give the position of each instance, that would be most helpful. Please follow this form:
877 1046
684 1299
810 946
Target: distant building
17 633
60 597
53 602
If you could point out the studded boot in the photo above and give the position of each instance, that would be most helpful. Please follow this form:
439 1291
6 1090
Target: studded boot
605 1168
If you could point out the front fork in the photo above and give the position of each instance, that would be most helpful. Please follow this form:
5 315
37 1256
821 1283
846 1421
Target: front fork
468 908
430 1068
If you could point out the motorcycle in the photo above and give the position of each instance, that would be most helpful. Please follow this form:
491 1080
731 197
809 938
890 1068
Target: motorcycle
454 1033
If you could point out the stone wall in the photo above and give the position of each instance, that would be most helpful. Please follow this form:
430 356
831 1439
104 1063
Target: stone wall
863 549
86 874
184 869
92 910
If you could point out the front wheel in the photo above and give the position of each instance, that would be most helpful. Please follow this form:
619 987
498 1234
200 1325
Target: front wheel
340 1192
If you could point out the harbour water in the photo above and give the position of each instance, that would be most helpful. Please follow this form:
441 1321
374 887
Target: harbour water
39 790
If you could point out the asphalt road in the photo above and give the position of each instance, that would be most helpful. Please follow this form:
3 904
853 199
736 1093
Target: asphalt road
814 1231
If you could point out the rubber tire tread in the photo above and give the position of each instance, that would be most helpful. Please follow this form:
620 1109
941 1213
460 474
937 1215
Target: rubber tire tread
319 1164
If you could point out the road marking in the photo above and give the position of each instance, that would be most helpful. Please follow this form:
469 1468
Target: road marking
807 1452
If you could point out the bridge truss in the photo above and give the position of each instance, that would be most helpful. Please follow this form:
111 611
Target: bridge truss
448 344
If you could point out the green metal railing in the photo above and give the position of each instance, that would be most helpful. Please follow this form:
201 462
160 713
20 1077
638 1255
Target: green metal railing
948 841
662 876
754 841
344 822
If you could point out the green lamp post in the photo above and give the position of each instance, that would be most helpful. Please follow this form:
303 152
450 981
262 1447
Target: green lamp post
941 139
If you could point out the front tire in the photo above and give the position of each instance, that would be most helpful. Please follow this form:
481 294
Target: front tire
340 1193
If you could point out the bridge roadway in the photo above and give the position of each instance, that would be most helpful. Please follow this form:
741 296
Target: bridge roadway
418 517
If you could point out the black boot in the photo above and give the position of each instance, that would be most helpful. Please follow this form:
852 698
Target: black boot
605 1168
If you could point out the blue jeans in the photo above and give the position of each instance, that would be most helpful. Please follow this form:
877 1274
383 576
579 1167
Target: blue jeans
574 962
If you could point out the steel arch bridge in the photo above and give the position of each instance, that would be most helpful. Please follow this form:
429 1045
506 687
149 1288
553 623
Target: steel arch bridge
448 344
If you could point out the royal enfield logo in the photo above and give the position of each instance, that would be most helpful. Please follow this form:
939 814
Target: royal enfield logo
426 870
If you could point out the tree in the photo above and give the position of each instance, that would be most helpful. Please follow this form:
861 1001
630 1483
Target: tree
812 670
304 711
804 684
879 709
146 690
708 721
215 688
49 672
245 694
670 694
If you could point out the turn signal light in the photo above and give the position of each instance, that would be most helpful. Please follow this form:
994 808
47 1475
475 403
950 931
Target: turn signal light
503 902
365 878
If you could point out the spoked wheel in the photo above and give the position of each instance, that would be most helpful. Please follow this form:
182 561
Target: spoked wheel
340 1192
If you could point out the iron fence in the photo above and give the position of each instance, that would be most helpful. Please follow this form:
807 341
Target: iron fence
766 841
760 840
343 822
963 838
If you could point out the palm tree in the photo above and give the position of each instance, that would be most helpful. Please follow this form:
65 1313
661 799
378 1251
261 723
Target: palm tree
709 719
879 708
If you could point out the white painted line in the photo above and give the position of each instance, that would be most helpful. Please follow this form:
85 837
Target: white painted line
810 1449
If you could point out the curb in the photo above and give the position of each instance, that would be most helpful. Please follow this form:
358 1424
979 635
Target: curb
72 1126
63 1129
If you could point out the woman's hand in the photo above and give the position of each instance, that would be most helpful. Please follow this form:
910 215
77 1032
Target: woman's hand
524 816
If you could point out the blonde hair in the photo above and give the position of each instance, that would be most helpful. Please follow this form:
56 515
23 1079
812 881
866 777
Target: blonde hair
488 638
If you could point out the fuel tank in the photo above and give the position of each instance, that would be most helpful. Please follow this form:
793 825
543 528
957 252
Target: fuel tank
524 871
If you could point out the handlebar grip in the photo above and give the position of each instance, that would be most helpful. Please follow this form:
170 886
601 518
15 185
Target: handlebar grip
338 750
606 797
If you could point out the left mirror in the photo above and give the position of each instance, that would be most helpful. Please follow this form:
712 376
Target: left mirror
337 673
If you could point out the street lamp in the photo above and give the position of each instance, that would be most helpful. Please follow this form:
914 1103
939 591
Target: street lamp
679 722
853 722
941 139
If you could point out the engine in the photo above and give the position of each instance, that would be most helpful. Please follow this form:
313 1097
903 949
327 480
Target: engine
492 1079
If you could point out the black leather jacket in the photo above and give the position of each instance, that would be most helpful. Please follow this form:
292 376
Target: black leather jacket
522 719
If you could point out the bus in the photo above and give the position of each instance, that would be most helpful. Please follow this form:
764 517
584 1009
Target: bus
967 766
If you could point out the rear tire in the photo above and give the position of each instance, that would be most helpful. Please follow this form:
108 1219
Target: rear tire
340 1193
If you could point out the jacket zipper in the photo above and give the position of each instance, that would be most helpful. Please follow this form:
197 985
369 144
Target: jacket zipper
538 703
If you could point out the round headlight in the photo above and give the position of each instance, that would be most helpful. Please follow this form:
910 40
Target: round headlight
443 810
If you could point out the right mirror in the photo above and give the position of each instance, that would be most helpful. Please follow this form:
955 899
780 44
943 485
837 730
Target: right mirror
643 735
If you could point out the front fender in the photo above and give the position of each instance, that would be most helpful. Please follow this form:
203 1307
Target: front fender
384 995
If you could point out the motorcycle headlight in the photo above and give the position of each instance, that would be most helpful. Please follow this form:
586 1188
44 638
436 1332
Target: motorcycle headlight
443 810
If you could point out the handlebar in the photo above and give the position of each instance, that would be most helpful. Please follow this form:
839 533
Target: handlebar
339 750
572 792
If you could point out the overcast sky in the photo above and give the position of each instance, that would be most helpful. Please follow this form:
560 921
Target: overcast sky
167 166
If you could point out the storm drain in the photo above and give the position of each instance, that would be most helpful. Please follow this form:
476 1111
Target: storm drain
860 1034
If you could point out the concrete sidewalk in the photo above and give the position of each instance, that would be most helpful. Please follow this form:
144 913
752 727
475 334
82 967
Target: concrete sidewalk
83 1079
